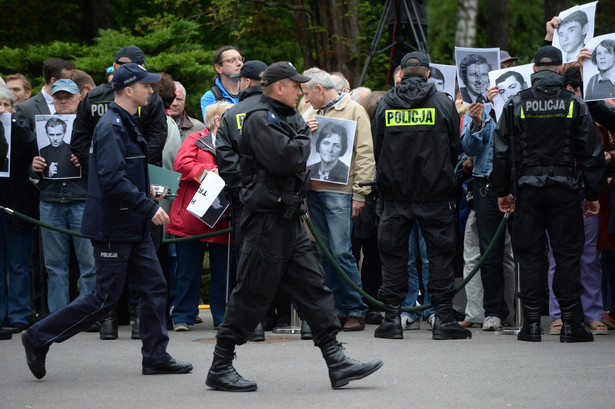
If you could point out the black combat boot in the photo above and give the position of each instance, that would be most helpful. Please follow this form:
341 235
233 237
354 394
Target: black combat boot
223 376
530 331
306 331
445 326
258 335
572 325
108 326
342 369
390 327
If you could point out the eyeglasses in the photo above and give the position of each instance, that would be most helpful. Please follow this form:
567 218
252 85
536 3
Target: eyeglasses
233 60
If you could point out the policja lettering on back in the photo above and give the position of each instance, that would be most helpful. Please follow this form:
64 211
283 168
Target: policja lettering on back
407 117
546 108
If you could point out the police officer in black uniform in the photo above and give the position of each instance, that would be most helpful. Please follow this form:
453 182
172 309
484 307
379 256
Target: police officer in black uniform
274 148
546 150
416 140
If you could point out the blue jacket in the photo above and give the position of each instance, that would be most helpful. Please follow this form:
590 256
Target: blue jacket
209 98
118 207
479 143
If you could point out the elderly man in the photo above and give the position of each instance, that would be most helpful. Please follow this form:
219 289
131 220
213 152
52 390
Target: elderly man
185 123
333 205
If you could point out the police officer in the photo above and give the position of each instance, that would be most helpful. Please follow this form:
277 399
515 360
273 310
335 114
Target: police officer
546 149
274 148
416 139
116 218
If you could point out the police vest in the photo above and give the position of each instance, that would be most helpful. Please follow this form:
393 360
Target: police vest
544 146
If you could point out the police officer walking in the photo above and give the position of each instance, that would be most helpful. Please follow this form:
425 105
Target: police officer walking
117 218
546 150
416 140
274 148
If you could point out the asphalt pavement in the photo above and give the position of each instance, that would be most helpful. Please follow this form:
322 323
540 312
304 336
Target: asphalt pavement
492 370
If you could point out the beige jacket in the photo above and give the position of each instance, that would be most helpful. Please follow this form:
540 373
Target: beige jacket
362 166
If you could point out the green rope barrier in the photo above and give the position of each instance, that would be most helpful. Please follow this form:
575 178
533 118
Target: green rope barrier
378 303
77 234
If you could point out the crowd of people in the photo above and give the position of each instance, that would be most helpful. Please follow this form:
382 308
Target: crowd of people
390 198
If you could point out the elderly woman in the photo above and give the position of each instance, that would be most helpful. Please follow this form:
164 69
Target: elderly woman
17 193
331 144
195 158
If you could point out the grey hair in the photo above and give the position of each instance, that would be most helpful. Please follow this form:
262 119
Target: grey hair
214 111
319 77
7 93
340 81
178 85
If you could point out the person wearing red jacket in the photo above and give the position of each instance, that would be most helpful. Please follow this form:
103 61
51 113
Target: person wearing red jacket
195 157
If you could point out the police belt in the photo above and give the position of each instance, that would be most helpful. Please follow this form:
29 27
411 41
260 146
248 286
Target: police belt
547 171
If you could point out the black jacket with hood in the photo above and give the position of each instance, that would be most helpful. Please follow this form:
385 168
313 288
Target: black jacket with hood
416 142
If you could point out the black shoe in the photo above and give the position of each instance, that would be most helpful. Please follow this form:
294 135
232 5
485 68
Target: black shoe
17 327
531 331
108 328
171 367
342 369
223 376
258 335
136 332
572 325
373 317
390 327
306 331
445 326
35 359
94 327
5 334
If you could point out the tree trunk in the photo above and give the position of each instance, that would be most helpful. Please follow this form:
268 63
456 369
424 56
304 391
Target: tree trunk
498 24
467 12
554 7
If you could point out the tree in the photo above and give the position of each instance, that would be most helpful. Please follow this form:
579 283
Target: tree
497 24
467 12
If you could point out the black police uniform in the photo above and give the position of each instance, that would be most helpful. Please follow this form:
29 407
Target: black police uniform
416 139
274 148
548 148
151 121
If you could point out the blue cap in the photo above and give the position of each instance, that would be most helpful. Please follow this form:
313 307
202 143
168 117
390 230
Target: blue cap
65 85
129 73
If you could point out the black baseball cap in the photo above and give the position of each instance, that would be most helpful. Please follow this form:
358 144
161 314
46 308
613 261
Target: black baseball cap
423 60
133 53
251 69
550 52
282 70
129 73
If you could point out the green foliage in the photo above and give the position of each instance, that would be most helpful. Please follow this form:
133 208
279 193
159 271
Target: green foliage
442 17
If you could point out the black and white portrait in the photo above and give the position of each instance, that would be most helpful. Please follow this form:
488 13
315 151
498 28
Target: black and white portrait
473 66
443 77
575 30
332 146
5 169
509 82
53 134
599 70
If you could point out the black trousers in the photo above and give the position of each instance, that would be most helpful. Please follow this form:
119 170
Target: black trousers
488 218
437 222
555 210
276 254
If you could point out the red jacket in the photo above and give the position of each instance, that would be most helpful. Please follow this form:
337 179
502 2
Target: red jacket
191 161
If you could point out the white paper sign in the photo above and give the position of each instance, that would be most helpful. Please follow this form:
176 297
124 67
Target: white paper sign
206 196
575 30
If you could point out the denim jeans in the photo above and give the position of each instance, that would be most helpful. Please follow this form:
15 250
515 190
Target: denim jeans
331 216
56 249
417 243
188 286
14 274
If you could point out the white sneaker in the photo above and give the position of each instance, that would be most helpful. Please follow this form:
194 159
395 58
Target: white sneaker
408 323
431 320
492 323
181 327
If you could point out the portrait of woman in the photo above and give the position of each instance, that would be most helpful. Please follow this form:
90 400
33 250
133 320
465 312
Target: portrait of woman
331 144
